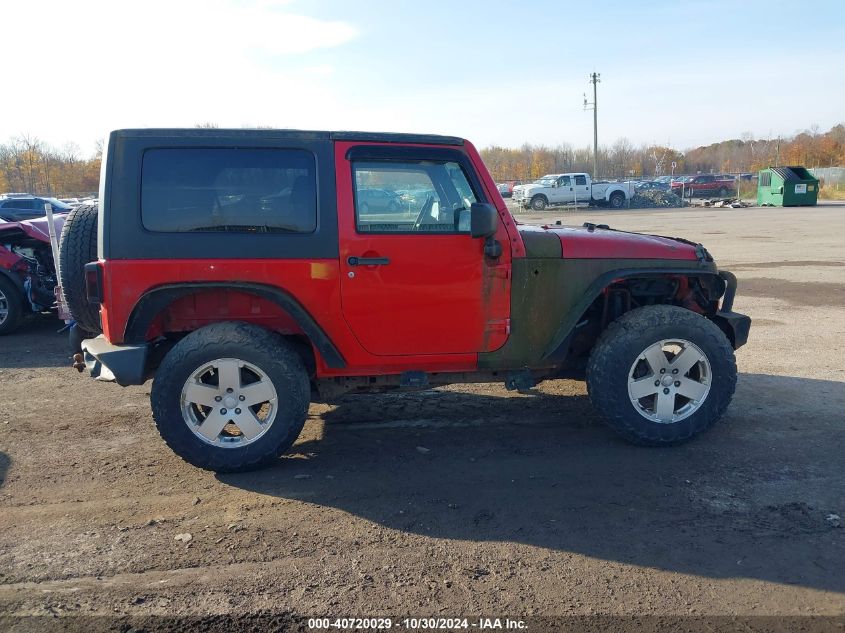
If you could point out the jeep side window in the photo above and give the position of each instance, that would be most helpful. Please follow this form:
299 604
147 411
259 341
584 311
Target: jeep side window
580 180
563 182
225 189
411 197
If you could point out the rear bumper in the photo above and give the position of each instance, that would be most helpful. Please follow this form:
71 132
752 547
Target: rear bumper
736 326
123 364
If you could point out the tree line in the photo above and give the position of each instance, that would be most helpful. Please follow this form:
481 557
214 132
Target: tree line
809 148
30 165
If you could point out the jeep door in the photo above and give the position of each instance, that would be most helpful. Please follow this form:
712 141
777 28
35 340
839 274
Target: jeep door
413 280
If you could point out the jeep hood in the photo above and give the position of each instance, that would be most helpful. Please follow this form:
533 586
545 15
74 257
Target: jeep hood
592 242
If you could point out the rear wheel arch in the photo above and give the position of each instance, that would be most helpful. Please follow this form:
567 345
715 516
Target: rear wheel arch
310 336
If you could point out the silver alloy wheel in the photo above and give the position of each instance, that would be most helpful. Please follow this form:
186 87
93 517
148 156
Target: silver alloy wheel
669 381
4 308
229 403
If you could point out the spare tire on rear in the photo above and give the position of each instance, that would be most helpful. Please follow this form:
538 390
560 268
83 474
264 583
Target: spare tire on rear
77 247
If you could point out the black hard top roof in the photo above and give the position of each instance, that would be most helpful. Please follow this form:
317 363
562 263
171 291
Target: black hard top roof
312 135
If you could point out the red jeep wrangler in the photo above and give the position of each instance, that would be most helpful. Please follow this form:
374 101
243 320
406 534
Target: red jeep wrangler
243 271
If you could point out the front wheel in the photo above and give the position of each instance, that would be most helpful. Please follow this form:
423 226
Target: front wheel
11 306
230 397
661 375
538 203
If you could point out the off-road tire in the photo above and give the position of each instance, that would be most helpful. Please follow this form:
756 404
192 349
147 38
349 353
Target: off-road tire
14 302
624 340
77 247
538 203
617 200
256 345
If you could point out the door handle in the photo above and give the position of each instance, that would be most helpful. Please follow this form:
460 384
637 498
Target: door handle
368 261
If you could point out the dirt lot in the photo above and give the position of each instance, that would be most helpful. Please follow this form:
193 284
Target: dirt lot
467 500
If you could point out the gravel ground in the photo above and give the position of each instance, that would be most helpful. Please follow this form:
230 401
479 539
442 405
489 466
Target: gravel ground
467 500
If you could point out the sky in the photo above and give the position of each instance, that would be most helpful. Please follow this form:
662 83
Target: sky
678 73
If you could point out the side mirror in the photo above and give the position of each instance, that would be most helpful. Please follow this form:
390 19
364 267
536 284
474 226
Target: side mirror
484 219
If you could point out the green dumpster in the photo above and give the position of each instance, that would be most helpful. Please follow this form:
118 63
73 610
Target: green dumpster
787 187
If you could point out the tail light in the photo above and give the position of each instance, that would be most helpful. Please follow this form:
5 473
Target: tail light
94 283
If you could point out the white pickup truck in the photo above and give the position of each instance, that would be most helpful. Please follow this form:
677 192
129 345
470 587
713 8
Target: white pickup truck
571 188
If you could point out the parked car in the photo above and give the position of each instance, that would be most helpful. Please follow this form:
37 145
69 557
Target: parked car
241 326
378 200
17 208
705 185
505 189
27 274
652 185
569 188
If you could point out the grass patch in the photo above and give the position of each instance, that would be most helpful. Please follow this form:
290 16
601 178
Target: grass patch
832 192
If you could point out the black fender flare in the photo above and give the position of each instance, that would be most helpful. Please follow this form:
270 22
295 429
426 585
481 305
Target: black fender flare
157 299
557 348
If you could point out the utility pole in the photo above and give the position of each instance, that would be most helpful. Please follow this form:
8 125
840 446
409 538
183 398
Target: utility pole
595 78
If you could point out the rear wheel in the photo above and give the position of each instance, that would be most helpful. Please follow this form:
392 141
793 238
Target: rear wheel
617 200
230 397
11 306
538 203
661 375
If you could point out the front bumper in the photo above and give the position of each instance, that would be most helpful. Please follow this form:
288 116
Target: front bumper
736 326
123 364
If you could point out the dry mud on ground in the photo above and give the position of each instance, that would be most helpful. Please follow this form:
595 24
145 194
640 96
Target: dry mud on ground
466 500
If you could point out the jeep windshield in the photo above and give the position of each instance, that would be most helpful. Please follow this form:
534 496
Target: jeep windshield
546 181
